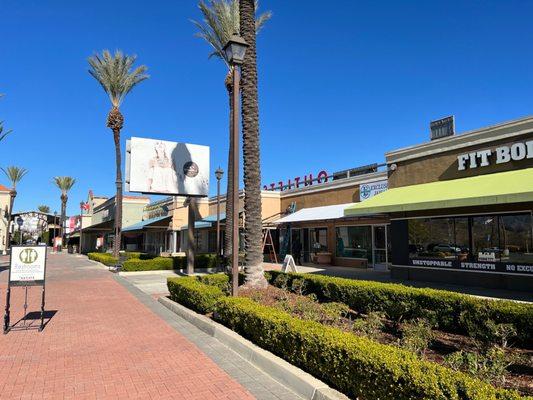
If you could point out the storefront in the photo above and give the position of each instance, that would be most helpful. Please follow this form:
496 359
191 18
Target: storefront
461 208
317 231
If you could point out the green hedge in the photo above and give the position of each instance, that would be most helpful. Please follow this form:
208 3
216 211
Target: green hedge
104 258
138 255
194 294
167 263
454 312
357 366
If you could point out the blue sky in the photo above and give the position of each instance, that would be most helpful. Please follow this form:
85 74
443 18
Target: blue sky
340 83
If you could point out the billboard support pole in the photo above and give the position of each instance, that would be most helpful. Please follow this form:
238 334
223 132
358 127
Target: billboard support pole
191 246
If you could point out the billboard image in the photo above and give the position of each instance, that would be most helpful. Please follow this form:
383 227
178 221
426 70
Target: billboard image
162 167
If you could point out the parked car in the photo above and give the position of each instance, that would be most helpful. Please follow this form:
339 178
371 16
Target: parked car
447 248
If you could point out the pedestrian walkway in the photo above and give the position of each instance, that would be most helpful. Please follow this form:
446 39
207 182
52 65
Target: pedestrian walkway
102 342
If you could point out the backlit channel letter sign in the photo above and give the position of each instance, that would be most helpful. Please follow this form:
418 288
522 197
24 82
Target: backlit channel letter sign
500 155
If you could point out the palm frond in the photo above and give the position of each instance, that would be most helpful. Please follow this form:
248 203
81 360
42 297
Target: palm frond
44 209
2 133
115 75
14 174
64 183
220 21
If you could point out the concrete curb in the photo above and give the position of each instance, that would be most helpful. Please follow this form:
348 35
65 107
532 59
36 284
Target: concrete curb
300 382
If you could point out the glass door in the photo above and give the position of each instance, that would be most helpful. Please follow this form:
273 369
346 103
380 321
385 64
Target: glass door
380 248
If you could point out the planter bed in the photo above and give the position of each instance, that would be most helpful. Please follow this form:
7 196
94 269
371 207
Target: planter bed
319 338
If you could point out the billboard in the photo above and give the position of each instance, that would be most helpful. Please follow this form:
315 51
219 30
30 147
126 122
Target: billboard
162 167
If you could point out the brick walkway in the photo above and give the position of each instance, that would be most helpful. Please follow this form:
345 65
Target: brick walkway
101 343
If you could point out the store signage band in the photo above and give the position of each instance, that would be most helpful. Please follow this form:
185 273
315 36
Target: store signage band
498 267
500 155
322 177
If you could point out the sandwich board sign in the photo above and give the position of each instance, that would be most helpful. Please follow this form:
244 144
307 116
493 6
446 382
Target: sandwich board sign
27 267
288 264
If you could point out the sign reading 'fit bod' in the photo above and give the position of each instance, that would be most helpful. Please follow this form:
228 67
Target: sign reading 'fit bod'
500 155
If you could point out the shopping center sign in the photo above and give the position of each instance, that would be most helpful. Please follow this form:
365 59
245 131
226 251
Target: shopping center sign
500 155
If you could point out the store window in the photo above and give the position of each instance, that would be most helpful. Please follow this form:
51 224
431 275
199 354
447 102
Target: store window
318 238
354 242
516 238
487 238
435 238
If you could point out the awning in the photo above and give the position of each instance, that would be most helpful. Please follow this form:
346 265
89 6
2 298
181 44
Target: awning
315 214
207 222
158 222
100 227
500 188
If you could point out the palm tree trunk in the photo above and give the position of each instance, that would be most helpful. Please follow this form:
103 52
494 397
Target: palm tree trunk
229 191
251 159
63 215
12 196
118 196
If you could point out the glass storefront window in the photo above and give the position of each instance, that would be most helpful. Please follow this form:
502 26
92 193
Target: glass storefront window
318 239
354 242
516 238
487 238
433 238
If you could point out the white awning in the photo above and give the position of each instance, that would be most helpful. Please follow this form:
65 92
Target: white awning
315 214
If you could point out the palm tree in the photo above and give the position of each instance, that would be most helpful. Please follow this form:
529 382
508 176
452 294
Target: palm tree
253 230
115 74
221 20
2 133
44 209
15 175
64 183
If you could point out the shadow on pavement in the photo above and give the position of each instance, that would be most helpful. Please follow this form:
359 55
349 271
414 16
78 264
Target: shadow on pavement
32 320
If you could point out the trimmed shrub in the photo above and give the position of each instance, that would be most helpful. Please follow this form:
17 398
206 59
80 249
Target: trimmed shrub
357 366
453 312
167 263
138 255
194 294
104 258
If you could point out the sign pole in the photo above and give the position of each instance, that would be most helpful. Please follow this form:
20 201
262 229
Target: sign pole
42 310
6 315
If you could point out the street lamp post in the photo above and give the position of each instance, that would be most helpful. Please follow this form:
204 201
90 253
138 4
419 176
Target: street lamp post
20 221
218 173
55 225
235 50
82 205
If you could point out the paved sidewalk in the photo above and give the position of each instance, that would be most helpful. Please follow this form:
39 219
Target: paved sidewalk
103 342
